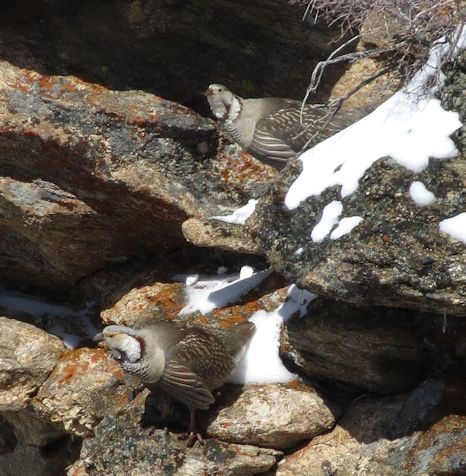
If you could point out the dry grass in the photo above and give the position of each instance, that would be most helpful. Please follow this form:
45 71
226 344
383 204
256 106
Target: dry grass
398 32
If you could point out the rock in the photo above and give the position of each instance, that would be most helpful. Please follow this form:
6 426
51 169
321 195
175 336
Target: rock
135 296
164 300
326 345
212 233
273 416
85 385
396 257
27 356
116 172
370 95
31 444
100 178
364 442
453 95
171 49
115 175
383 261
121 446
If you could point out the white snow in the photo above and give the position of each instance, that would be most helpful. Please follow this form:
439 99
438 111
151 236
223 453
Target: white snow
191 279
411 127
246 272
56 319
261 362
18 302
345 225
209 293
420 195
240 215
71 341
455 227
329 219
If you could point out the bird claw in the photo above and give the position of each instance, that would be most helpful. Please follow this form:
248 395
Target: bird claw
193 437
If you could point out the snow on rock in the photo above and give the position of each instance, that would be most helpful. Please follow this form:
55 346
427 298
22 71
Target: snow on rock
56 319
191 279
411 127
209 293
420 195
345 225
329 219
261 361
246 272
455 227
240 215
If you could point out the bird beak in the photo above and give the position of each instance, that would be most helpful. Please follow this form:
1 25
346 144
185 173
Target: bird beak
208 92
98 337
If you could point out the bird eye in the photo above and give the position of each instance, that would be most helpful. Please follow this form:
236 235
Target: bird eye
220 90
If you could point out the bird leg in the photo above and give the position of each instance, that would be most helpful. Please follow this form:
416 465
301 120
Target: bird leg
193 434
167 410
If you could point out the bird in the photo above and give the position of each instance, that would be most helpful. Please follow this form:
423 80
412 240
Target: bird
187 363
271 129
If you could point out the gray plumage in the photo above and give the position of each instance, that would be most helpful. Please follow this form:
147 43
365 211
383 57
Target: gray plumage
271 129
187 363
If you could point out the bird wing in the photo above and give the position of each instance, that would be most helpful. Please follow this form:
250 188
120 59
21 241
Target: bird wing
272 140
283 134
185 385
200 362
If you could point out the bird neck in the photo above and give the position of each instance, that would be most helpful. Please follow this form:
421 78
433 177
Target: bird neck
233 109
150 367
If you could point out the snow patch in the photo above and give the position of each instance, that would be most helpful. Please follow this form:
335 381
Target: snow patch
330 215
70 325
420 195
191 279
455 227
240 215
209 293
411 127
261 361
345 226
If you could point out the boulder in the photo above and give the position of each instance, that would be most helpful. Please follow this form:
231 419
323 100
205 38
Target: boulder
85 385
274 416
383 436
122 446
378 349
27 356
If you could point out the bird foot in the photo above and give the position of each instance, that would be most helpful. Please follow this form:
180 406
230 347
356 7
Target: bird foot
193 437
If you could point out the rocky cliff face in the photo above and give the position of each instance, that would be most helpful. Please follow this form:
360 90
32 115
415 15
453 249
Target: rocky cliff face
107 183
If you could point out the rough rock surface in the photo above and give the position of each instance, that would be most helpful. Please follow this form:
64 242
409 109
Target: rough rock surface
396 257
137 297
173 49
219 234
32 445
121 446
382 437
380 350
85 386
27 356
92 177
274 416
29 442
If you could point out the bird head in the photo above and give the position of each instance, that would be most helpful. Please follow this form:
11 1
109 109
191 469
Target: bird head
223 103
125 343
